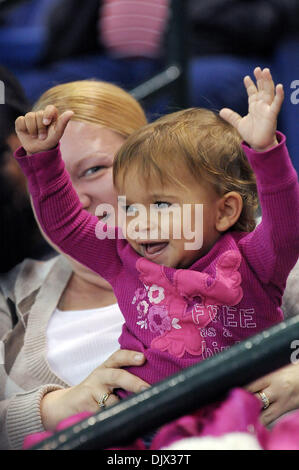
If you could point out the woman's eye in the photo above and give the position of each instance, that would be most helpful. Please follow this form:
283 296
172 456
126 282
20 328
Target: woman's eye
93 170
162 205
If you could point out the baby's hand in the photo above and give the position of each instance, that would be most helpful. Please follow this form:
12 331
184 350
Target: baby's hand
264 102
40 131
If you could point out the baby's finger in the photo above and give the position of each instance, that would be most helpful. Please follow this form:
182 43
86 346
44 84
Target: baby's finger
230 116
50 114
63 121
250 86
42 129
20 124
268 81
278 99
259 78
31 124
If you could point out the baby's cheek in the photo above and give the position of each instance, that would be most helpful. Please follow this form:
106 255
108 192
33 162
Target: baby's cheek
172 226
134 245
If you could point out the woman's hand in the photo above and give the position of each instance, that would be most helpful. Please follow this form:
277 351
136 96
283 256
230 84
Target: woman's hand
40 131
264 102
281 388
60 404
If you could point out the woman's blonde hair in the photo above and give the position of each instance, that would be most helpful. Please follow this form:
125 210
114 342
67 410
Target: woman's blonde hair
209 147
96 102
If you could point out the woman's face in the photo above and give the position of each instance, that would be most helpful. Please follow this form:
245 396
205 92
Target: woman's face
88 152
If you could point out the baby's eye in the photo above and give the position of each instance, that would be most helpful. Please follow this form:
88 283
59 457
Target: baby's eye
131 210
93 170
161 205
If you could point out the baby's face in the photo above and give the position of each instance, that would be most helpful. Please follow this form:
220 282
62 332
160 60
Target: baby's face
168 224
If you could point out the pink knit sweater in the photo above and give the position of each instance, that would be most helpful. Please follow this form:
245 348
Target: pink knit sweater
177 317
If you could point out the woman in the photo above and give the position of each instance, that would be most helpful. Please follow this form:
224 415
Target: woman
281 388
68 319
43 380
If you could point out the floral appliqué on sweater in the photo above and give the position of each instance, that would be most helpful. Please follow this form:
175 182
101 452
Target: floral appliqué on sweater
163 306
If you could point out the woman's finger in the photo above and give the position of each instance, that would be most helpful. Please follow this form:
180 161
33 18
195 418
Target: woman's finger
258 385
267 394
122 358
116 378
270 414
119 378
31 124
102 400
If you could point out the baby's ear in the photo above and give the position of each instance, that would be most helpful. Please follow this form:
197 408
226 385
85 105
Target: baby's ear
229 208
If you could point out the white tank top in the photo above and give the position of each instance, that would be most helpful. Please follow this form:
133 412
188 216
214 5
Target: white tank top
81 340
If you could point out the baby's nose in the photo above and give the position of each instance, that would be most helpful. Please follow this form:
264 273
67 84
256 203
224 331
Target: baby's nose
85 201
149 227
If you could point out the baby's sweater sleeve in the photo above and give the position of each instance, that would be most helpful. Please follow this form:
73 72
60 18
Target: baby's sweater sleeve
61 216
272 249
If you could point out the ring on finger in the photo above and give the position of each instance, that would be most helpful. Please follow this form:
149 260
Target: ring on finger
265 400
103 399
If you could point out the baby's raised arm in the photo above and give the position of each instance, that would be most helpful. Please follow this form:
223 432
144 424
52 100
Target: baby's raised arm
258 128
55 201
42 130
273 247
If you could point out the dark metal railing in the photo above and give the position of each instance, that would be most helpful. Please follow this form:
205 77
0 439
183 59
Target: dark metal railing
192 388
173 78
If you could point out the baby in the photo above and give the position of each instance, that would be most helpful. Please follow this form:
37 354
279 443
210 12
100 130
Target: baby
191 273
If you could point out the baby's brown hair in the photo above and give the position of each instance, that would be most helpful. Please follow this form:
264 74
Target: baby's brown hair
200 139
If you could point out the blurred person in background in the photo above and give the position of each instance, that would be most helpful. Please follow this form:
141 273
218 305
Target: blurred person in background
19 234
229 37
116 41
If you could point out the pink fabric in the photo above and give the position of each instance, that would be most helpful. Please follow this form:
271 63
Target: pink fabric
238 413
34 439
179 317
133 28
177 327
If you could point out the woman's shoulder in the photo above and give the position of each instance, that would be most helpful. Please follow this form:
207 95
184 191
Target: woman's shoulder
29 276
290 300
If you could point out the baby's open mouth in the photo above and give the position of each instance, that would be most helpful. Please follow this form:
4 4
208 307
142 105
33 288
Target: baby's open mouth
153 248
